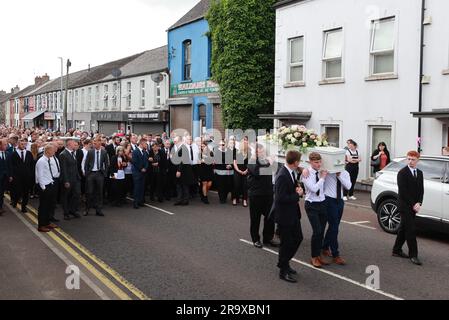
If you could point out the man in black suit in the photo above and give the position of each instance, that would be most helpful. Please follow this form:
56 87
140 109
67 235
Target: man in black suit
411 193
22 174
184 172
140 167
4 171
70 180
96 169
166 179
288 214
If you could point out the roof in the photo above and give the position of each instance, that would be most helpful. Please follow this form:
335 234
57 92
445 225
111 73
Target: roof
5 97
435 114
283 3
33 115
196 13
23 92
148 62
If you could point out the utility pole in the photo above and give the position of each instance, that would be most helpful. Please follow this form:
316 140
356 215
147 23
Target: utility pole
61 97
66 121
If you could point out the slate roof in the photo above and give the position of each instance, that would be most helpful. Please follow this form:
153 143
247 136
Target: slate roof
196 13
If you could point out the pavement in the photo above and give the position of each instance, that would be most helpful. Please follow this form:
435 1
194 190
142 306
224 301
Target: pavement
201 252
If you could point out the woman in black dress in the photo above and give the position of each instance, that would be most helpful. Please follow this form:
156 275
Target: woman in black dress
206 171
241 173
117 175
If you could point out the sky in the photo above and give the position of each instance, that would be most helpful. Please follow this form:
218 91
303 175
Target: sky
34 33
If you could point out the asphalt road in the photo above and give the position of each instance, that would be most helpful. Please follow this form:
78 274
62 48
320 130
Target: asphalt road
201 252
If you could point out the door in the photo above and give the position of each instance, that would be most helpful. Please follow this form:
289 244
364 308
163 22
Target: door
378 135
432 210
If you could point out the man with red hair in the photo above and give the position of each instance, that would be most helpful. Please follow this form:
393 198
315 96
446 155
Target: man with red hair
411 193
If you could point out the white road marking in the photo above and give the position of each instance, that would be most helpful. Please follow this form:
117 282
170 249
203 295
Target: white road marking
61 255
308 265
358 224
155 208
358 205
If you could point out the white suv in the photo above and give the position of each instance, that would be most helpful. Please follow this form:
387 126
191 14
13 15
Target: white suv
434 214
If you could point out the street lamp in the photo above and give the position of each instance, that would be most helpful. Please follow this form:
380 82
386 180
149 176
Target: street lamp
66 122
62 89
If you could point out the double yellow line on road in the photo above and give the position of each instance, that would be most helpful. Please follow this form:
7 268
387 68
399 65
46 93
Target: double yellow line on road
121 294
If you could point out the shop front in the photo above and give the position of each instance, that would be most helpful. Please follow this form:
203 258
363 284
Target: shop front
154 122
109 123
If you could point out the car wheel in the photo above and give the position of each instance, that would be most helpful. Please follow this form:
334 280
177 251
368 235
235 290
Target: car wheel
388 216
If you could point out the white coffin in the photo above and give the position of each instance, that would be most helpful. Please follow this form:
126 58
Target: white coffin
333 159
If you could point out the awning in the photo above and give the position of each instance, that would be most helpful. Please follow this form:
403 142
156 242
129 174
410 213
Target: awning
303 116
33 115
434 114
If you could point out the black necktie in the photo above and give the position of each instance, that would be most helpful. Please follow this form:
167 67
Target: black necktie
294 178
317 178
191 153
73 155
338 189
49 166
98 160
23 157
414 174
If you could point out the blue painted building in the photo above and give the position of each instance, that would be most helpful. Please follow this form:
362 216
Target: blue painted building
195 103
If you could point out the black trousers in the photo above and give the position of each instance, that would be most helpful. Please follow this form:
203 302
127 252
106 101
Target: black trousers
353 169
118 191
260 206
183 191
95 185
47 204
129 184
407 232
71 198
240 188
317 214
224 186
20 189
3 181
193 189
291 238
156 186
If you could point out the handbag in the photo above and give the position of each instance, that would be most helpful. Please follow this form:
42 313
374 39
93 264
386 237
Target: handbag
375 163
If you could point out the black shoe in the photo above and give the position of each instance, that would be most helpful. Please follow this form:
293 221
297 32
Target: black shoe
141 204
178 203
287 277
160 200
258 245
292 271
75 215
86 213
206 200
271 244
416 261
185 203
67 218
100 214
53 220
24 210
400 254
136 207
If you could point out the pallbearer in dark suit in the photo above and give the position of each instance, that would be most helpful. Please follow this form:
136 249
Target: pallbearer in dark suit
96 168
184 172
22 175
5 173
411 193
140 168
288 214
70 180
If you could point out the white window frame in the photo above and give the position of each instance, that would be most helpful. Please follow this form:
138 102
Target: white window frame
106 96
129 95
374 53
158 94
332 59
76 101
89 98
114 95
142 93
296 64
333 124
97 97
82 100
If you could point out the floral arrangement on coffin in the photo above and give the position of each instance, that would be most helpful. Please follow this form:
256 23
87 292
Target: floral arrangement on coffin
299 138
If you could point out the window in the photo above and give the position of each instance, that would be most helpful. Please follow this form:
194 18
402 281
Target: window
382 46
70 101
114 95
332 54
333 135
55 101
187 60
432 169
128 96
142 93
97 97
158 94
106 96
76 100
82 100
296 59
89 98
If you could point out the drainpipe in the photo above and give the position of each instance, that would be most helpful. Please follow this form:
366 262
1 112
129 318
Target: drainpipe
421 73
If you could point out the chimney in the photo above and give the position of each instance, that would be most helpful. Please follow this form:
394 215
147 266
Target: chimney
15 90
37 81
88 68
45 78
2 92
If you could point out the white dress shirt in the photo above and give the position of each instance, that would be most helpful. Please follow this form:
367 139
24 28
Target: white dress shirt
19 152
95 168
413 171
330 184
312 187
83 162
44 176
196 153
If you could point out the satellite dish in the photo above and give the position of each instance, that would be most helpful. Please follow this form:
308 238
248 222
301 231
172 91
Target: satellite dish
157 77
116 73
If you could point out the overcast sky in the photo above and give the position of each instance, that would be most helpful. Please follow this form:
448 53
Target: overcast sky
34 33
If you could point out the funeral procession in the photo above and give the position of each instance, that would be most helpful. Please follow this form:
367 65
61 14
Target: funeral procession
244 151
